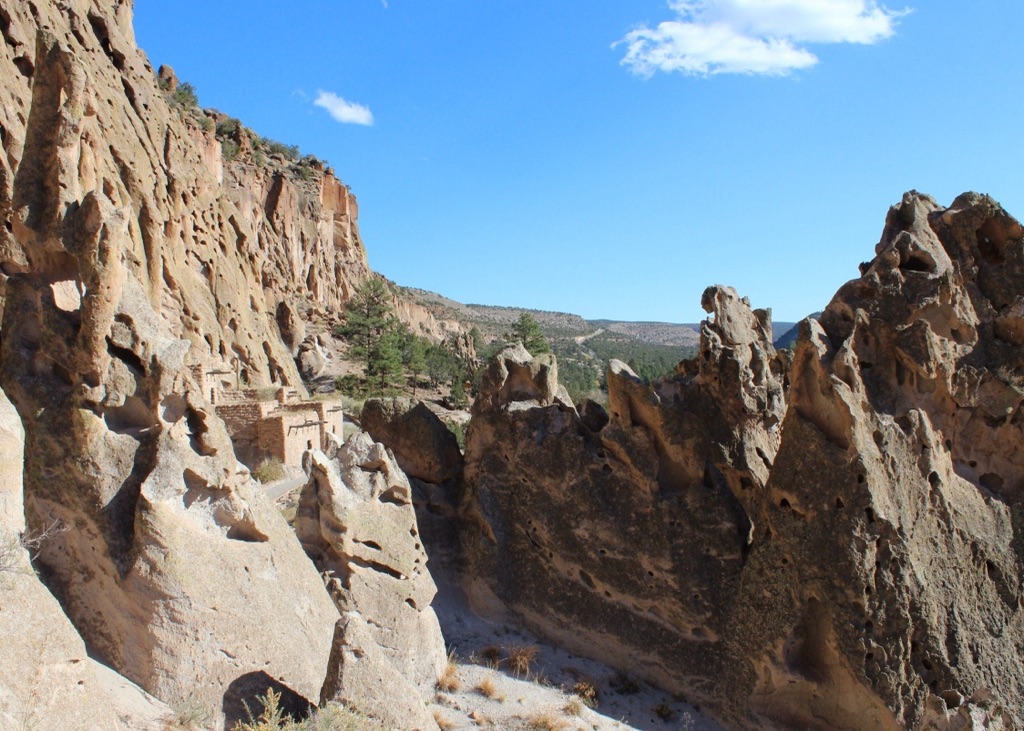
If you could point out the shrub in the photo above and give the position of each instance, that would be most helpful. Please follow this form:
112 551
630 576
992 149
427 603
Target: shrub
229 148
269 470
458 428
205 123
333 717
185 97
228 127
664 712
587 692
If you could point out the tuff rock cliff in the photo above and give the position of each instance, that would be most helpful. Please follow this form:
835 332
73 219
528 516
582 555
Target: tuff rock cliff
623 534
853 561
131 252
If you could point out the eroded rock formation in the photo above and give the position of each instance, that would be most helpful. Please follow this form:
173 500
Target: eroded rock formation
855 566
48 679
885 588
623 536
356 521
172 558
233 255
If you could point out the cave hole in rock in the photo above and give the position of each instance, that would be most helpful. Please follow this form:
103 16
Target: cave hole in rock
991 481
869 626
869 514
990 570
242 691
197 428
784 504
840 504
917 263
860 478
133 415
933 479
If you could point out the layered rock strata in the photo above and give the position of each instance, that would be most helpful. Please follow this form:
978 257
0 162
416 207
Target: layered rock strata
355 519
623 535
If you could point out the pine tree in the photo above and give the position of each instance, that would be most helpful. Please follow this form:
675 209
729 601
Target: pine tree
414 356
373 333
528 332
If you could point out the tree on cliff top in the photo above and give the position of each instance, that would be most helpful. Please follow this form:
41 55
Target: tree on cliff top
527 331
374 334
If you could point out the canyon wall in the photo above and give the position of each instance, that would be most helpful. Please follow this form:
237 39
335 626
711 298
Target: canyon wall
223 249
852 561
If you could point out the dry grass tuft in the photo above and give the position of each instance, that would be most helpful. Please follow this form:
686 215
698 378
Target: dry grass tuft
521 658
449 680
548 721
573 707
442 721
488 688
491 655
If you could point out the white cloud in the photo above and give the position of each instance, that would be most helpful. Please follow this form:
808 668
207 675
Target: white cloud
343 111
752 36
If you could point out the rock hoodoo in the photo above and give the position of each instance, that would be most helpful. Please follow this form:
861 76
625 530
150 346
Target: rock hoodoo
356 521
886 587
853 562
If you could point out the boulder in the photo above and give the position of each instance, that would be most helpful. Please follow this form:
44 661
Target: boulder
360 676
424 447
313 358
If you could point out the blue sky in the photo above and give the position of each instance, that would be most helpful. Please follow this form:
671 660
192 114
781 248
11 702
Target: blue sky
613 159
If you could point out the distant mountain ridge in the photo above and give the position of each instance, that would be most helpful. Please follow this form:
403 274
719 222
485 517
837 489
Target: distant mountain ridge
495 320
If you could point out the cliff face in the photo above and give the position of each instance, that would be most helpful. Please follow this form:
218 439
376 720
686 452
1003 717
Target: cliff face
624 534
217 246
859 567
888 580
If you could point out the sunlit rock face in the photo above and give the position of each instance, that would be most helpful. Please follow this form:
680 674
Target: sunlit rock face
356 521
623 534
231 254
169 562
887 588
